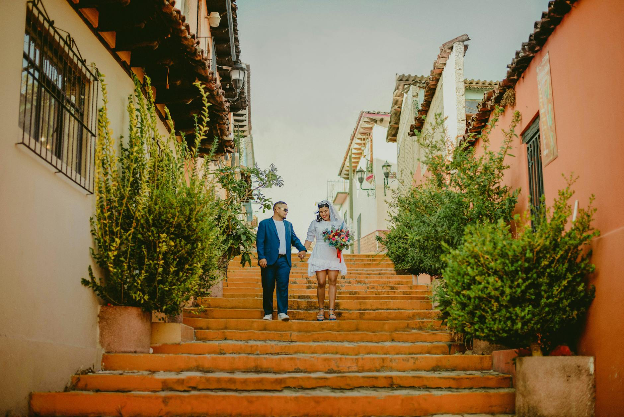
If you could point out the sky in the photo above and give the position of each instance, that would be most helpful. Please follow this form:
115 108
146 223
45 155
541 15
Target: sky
315 64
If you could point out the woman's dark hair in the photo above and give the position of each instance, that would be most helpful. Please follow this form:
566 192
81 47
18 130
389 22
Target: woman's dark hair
318 216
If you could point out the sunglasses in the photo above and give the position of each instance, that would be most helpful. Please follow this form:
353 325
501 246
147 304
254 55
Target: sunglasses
286 210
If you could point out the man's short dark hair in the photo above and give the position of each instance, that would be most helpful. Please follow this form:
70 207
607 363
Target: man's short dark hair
278 203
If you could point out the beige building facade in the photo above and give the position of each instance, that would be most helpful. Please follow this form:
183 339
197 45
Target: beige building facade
418 101
48 320
365 203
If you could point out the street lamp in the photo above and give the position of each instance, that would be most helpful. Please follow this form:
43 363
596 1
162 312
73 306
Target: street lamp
237 74
385 168
360 177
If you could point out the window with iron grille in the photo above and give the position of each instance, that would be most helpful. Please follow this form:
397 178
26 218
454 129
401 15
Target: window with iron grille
534 159
58 100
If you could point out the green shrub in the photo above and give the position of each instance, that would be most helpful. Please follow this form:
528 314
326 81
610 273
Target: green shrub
460 188
523 289
242 185
154 228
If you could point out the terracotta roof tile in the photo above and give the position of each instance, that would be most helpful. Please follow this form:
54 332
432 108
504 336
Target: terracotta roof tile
363 128
543 28
403 81
434 77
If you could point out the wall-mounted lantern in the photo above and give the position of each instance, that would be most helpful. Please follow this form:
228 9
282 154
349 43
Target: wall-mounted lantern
237 74
385 168
360 173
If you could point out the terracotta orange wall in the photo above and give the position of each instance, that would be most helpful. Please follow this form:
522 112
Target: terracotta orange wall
587 64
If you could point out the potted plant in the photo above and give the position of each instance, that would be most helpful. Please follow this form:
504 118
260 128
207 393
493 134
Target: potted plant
154 230
523 285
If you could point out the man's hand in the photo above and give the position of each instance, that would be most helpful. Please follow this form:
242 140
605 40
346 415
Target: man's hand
262 263
302 254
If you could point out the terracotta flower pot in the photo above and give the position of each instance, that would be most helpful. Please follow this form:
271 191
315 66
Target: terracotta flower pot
124 329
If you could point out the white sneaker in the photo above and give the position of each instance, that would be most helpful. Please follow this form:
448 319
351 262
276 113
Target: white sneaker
283 317
268 317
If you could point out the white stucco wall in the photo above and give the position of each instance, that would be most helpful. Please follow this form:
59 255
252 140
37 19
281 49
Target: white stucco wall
373 206
408 151
48 320
453 93
437 107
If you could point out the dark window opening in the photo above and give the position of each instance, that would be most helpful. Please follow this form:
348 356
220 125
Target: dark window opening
534 159
58 99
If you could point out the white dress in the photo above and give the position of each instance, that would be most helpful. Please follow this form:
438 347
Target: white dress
323 256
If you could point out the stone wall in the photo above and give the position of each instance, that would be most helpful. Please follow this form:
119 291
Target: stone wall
369 244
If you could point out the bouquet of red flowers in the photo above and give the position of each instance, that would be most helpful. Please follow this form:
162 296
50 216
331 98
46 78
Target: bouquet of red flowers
338 237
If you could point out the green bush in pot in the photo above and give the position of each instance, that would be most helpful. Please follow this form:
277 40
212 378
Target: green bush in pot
154 227
524 288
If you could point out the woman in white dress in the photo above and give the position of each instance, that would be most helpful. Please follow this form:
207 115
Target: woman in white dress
324 261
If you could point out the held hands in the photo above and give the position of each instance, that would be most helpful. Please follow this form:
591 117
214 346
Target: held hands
262 263
302 254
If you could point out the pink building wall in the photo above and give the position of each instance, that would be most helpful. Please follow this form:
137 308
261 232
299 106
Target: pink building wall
587 64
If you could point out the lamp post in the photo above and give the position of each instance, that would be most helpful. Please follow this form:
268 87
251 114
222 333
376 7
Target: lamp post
360 176
360 173
386 172
237 74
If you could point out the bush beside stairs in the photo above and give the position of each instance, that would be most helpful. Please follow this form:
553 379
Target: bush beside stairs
386 355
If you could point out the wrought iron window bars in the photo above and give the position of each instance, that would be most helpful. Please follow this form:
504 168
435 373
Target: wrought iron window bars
534 160
58 100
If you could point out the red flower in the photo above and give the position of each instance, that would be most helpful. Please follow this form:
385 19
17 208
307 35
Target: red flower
561 350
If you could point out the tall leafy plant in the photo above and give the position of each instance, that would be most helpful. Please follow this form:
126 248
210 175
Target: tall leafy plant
524 289
154 227
241 185
459 188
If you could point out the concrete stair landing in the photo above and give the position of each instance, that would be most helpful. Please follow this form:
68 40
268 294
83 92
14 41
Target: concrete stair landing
386 355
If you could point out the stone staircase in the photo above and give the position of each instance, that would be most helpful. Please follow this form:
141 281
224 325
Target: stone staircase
386 355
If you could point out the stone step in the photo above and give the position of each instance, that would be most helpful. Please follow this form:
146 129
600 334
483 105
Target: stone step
339 296
317 402
300 271
303 265
310 304
346 255
286 348
192 381
326 336
242 313
292 285
370 326
343 292
372 280
293 363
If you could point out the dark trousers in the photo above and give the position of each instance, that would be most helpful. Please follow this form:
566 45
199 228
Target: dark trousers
272 275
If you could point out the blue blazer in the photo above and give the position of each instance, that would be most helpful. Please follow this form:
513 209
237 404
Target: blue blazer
267 241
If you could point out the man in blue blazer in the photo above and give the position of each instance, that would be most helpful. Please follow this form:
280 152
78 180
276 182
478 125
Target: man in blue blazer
274 239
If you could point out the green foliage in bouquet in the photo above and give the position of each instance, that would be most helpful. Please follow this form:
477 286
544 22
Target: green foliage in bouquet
524 289
459 189
154 227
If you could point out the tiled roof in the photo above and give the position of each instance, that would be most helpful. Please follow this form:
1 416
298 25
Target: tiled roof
154 36
434 78
402 82
551 18
221 36
480 84
363 129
